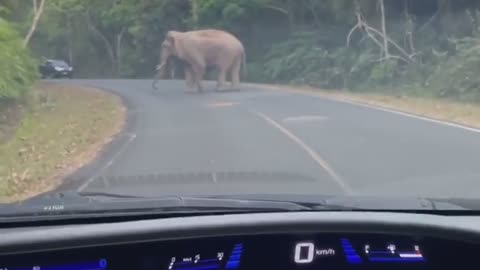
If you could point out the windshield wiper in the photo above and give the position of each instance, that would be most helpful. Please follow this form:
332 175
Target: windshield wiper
72 204
99 204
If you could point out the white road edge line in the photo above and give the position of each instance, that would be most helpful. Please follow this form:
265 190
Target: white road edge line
314 155
381 108
108 164
406 114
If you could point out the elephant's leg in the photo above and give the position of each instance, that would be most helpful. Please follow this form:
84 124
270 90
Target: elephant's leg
235 73
172 72
198 72
189 77
222 74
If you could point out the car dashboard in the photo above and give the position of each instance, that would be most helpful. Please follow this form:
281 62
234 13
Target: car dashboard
291 241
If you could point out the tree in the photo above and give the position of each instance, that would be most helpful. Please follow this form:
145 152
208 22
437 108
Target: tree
37 14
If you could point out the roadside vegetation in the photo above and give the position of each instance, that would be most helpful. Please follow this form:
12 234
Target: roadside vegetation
62 130
46 130
428 48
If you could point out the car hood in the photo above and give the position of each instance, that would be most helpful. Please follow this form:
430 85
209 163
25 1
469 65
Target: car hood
211 183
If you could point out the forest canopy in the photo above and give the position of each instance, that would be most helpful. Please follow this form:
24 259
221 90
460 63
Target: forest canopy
428 47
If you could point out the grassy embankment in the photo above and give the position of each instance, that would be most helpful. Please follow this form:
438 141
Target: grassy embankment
62 129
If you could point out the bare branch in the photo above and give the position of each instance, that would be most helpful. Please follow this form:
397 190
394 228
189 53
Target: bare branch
119 49
370 31
279 9
391 42
312 10
38 10
372 37
349 36
391 57
431 20
409 30
35 6
97 32
384 29
410 43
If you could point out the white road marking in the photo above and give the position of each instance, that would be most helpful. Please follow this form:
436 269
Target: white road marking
214 177
108 164
314 155
378 108
419 117
304 119
220 104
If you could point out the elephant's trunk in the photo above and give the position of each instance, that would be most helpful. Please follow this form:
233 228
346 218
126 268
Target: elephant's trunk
161 69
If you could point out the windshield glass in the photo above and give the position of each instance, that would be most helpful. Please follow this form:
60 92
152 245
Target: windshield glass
267 99
58 63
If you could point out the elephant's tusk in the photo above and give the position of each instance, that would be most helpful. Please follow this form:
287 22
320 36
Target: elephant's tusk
159 67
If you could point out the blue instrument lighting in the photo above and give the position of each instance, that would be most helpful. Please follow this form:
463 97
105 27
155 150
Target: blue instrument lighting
232 265
200 267
234 259
198 262
93 265
350 253
395 259
102 263
380 252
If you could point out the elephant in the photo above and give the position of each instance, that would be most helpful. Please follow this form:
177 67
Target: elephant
202 49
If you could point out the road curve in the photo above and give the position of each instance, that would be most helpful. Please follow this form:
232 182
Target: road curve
258 141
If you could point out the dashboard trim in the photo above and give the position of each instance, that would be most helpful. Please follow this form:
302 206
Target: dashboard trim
41 239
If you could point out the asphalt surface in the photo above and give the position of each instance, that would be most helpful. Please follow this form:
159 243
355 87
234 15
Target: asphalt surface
256 141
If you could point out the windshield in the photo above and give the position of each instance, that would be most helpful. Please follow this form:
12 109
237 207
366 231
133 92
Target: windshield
266 99
58 63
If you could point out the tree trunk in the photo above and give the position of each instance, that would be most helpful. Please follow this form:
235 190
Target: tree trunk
194 7
384 30
409 30
69 40
108 45
118 51
291 13
37 13
311 7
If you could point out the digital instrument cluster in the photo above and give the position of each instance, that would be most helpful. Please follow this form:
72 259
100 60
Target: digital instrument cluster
260 252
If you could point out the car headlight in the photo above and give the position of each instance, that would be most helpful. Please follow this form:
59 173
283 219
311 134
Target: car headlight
58 68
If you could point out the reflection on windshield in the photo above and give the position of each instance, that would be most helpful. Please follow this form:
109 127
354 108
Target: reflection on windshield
372 98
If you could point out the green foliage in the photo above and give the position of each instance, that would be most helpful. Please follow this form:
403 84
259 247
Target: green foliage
18 70
288 41
458 77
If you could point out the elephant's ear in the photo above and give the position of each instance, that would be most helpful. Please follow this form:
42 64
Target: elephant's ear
174 39
170 37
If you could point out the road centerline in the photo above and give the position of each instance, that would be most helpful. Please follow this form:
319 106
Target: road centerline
312 153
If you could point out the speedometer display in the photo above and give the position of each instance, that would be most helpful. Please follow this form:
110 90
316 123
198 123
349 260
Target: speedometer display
260 252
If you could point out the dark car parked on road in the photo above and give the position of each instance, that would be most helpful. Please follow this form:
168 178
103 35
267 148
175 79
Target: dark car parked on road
51 68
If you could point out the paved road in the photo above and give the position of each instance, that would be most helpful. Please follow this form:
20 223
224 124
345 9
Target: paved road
262 141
